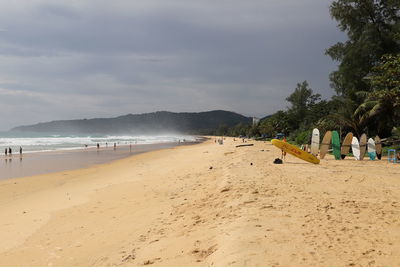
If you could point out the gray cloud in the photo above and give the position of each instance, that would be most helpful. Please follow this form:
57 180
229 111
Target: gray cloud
75 59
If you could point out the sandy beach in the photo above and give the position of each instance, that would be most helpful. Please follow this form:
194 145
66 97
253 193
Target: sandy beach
205 205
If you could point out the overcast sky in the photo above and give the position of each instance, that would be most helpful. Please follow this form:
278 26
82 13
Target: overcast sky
95 58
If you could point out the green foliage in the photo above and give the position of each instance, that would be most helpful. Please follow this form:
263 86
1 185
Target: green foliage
386 75
380 108
301 100
372 27
302 137
222 130
367 80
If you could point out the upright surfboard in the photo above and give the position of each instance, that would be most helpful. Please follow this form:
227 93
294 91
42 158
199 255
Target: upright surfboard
355 148
346 145
295 151
326 141
378 147
371 149
336 145
315 142
363 146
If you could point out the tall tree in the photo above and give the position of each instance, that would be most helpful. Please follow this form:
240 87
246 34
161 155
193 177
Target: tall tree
301 100
381 106
372 27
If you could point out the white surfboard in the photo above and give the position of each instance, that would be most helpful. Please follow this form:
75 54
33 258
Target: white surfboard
355 147
315 142
371 149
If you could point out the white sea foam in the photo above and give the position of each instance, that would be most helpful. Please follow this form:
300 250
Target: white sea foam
56 142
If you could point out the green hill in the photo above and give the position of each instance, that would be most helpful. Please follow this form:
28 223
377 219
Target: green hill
148 123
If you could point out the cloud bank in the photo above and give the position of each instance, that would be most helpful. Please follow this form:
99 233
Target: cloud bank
87 58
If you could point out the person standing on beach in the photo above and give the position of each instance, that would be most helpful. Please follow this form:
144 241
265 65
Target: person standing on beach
98 145
9 151
6 152
20 150
283 156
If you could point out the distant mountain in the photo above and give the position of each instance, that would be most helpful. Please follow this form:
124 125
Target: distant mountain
148 123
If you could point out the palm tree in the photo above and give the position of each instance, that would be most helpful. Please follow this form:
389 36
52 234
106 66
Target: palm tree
382 106
347 118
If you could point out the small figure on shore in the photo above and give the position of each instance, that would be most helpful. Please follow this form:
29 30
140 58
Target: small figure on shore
98 145
130 147
20 150
106 144
9 151
283 156
115 146
6 152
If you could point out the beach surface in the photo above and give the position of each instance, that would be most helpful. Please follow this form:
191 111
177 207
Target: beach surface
34 163
205 205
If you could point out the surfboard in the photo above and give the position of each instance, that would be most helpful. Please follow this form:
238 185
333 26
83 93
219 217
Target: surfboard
295 151
336 145
326 141
378 147
363 146
315 142
355 148
346 145
371 149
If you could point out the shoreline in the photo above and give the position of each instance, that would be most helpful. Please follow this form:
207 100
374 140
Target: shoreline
204 205
43 162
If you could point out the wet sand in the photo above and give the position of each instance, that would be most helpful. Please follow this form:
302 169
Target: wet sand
205 205
30 164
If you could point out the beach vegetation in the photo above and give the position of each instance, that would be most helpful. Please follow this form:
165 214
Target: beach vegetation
366 81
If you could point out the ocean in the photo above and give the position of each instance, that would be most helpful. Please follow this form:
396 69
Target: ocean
33 142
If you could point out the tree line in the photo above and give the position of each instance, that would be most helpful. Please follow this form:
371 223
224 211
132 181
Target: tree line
366 82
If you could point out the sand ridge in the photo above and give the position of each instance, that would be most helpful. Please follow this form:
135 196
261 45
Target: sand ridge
205 205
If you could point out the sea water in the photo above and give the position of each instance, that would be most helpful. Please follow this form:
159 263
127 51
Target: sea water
43 143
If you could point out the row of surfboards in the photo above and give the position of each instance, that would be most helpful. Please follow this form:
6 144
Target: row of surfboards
359 148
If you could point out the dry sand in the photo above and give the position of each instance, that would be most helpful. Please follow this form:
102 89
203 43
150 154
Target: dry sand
169 208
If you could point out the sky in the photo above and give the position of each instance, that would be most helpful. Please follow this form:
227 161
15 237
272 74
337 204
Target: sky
77 59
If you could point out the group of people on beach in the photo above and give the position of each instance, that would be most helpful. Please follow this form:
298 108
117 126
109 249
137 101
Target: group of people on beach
8 151
98 145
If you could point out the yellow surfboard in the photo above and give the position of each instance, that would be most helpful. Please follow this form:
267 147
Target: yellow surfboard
295 151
